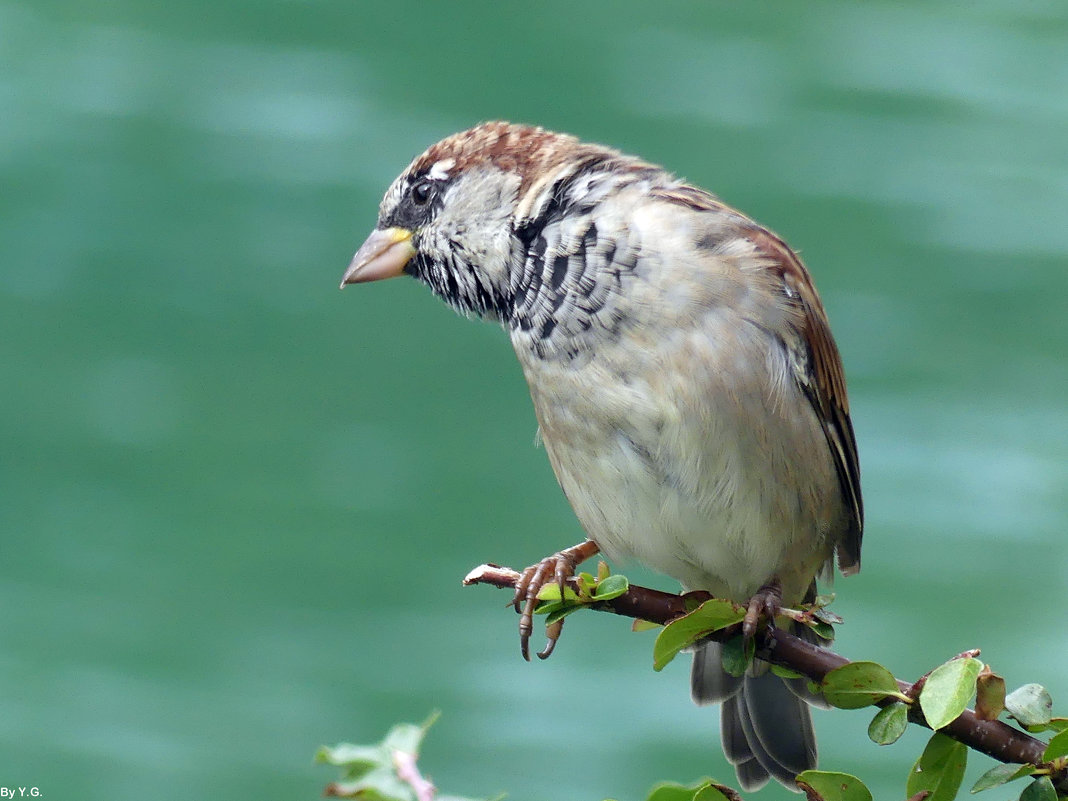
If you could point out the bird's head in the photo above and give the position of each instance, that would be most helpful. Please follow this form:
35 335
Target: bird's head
463 214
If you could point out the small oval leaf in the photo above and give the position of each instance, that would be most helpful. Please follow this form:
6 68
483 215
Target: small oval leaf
1058 746
1000 774
786 673
1031 705
824 630
948 690
713 615
610 587
889 724
551 592
736 655
672 791
827 616
858 684
644 625
835 786
560 612
1041 789
939 769
710 793
357 759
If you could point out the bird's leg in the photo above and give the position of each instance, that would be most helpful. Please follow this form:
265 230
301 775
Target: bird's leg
558 568
766 602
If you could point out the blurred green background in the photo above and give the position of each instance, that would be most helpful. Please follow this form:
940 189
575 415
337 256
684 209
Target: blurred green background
237 503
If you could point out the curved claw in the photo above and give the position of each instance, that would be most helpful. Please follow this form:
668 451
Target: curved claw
552 634
565 569
560 567
531 582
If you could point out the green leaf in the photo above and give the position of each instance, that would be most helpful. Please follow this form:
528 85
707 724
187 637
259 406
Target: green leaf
408 737
713 615
825 630
560 611
584 581
1041 789
859 684
548 607
889 724
989 695
610 587
736 655
644 625
551 592
380 784
786 673
1054 724
835 786
710 792
671 791
827 616
948 690
939 769
370 773
1058 746
356 759
1000 774
1031 705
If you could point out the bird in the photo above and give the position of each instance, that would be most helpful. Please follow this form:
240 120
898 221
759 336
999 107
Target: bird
687 388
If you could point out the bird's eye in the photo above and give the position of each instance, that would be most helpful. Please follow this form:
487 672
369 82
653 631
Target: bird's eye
421 193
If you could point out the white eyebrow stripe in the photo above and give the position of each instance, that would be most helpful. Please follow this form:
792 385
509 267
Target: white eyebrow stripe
440 170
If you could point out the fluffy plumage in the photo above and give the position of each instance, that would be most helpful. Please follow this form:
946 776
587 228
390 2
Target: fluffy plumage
687 387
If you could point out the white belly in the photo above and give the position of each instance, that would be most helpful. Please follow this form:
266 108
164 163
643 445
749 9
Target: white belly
717 482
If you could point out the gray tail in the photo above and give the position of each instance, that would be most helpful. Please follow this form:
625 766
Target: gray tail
766 724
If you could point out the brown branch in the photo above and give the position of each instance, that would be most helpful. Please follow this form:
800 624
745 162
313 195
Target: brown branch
991 737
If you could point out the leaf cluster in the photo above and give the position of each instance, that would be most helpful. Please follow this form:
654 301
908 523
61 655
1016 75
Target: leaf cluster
937 700
585 590
384 771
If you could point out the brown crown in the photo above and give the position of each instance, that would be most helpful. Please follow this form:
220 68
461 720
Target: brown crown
525 149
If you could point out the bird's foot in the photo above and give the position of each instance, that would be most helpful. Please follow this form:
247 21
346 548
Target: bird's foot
557 568
766 603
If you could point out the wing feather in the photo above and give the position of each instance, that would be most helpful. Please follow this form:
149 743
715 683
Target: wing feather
819 373
817 363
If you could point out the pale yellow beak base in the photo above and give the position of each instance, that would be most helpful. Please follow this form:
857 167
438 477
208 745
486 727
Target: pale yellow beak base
383 255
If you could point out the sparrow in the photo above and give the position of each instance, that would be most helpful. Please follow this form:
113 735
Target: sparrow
687 388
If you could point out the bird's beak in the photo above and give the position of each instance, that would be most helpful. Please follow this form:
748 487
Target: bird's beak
383 255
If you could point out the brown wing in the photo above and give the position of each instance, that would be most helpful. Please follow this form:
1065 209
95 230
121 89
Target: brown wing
818 370
817 364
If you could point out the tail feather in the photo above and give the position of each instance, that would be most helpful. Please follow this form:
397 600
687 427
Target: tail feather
766 725
782 726
800 688
709 682
739 742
